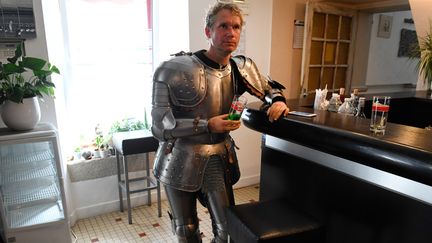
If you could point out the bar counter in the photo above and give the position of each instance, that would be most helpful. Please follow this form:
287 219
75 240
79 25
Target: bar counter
362 187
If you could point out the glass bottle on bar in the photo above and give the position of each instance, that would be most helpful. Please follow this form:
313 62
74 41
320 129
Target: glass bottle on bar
334 103
342 94
355 100
360 108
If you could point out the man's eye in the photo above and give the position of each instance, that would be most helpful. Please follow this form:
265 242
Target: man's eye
236 27
224 26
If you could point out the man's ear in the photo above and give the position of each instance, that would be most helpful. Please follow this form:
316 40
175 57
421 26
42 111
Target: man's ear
207 32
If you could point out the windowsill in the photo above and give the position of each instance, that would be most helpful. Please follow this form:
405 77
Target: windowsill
82 170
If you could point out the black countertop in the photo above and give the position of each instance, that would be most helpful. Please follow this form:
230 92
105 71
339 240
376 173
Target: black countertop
403 150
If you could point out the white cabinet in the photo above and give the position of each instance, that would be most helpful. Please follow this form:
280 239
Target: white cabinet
32 200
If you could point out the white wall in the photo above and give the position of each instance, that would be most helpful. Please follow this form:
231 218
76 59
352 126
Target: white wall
384 66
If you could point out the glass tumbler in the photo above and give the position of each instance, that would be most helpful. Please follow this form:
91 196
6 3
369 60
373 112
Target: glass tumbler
237 106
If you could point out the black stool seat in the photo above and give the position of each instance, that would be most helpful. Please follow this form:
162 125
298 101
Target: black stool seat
135 142
271 221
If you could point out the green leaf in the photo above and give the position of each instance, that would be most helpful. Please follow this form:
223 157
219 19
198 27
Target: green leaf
53 68
32 63
10 68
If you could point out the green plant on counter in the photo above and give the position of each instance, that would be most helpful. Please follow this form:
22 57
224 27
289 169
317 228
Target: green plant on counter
25 77
100 142
127 124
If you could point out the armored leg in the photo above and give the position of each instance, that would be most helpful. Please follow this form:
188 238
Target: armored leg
217 197
217 201
184 215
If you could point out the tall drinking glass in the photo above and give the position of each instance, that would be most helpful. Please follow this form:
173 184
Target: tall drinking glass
237 106
380 109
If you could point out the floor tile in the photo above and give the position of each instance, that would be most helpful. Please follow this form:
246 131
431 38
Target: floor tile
147 226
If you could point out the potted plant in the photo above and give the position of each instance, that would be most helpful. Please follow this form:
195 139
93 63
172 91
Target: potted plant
77 153
22 81
423 50
101 150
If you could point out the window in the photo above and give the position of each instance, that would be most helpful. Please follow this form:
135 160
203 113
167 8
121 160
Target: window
111 67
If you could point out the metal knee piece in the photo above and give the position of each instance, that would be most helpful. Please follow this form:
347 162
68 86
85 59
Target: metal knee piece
186 233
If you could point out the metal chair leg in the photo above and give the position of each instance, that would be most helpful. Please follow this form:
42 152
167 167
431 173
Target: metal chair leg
126 175
148 179
119 181
159 199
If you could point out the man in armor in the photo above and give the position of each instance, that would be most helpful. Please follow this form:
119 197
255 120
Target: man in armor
192 94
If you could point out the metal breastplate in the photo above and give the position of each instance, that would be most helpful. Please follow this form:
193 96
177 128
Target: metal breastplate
215 93
183 168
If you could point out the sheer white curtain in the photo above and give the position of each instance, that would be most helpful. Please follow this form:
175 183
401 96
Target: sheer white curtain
110 48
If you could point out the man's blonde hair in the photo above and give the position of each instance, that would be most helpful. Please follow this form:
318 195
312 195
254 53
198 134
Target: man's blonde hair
215 9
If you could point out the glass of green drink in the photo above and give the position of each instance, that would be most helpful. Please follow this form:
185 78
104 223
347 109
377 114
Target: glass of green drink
237 106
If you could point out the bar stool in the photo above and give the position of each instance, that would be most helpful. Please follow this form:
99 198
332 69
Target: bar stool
272 221
135 142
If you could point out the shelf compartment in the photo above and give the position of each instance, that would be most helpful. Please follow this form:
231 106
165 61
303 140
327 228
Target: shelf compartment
35 215
31 192
17 160
33 170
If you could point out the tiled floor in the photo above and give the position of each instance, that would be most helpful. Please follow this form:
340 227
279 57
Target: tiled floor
146 227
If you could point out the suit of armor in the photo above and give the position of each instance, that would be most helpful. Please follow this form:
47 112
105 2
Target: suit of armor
187 91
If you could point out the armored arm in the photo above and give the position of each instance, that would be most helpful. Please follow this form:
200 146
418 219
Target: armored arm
262 87
165 125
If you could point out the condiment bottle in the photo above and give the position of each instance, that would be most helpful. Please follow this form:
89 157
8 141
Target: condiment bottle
360 108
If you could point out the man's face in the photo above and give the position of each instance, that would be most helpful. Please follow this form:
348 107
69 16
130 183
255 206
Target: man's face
224 35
